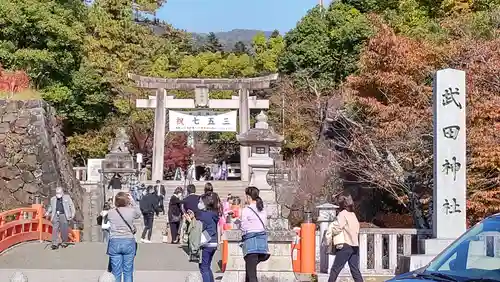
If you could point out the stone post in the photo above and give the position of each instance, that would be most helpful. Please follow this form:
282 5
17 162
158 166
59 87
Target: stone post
18 277
106 277
327 213
244 115
159 135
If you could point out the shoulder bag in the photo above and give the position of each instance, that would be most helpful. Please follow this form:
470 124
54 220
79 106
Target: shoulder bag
262 257
133 230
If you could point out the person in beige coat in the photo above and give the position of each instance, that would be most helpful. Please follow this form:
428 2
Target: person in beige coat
343 234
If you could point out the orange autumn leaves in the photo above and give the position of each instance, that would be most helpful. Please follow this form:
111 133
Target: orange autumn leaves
392 94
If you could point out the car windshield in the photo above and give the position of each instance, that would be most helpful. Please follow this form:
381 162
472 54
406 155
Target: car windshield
475 255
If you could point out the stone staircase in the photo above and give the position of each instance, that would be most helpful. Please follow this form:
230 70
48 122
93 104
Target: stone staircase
223 188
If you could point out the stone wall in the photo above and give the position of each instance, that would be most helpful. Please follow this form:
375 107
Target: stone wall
33 157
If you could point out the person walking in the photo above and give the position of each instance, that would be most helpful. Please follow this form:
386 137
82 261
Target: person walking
149 207
115 184
175 214
122 246
224 172
343 235
134 184
190 202
209 216
254 235
103 221
162 192
61 212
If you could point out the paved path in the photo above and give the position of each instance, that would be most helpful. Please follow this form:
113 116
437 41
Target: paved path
154 262
80 275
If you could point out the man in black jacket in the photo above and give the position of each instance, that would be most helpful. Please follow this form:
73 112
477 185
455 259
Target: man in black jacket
191 201
162 192
149 206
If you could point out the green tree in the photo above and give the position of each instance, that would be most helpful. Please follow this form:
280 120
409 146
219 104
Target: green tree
240 48
42 37
275 33
267 52
326 45
212 44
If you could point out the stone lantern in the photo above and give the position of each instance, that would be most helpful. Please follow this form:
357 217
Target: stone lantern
261 139
278 268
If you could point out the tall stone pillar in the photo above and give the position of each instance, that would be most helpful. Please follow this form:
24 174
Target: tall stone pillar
159 135
244 113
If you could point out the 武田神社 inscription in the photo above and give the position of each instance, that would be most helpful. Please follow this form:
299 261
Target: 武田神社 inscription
449 154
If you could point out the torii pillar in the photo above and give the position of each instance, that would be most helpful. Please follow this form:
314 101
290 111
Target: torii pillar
161 102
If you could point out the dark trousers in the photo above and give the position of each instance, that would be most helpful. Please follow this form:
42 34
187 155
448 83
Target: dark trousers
174 230
148 225
161 205
350 255
207 254
251 262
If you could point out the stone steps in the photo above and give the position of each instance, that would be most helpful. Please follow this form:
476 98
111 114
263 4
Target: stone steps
223 188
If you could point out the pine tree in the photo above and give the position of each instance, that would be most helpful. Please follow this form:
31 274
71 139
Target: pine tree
240 48
275 33
212 44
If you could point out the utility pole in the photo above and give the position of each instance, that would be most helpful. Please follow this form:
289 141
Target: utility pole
321 4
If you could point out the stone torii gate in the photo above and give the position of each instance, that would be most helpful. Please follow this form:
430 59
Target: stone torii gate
242 102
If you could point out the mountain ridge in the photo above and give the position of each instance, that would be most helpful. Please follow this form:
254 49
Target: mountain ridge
229 38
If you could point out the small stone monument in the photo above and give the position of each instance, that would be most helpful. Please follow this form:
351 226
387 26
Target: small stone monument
106 277
118 161
18 277
280 237
119 157
194 277
326 214
449 195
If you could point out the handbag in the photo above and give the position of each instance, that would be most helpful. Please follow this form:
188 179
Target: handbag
334 239
133 230
205 238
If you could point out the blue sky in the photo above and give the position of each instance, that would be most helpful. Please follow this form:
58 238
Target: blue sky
225 15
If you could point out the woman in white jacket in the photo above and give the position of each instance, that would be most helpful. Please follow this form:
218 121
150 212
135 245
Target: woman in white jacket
343 234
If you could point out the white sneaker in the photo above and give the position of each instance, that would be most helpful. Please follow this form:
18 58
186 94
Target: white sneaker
145 241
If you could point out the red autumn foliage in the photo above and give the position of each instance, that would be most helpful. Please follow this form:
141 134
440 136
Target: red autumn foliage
13 81
177 152
141 141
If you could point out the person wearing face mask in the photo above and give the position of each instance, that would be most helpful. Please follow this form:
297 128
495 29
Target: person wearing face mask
175 214
61 212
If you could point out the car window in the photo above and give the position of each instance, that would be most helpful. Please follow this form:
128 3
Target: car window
474 255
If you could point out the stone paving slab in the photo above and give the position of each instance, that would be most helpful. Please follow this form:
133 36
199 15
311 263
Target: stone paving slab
92 256
79 275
